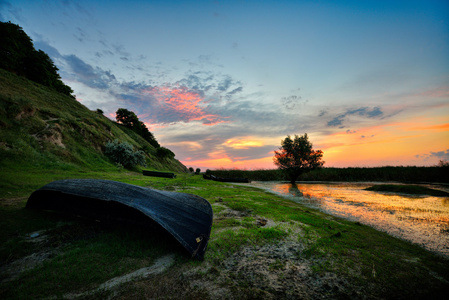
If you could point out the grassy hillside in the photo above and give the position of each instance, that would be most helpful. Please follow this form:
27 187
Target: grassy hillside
42 129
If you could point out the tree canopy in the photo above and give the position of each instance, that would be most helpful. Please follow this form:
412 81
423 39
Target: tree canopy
130 120
296 156
126 117
17 55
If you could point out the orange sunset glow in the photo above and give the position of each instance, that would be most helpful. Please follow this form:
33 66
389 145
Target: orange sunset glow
389 144
397 143
243 144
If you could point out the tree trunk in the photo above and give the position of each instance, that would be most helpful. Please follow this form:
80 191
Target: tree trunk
293 178
294 174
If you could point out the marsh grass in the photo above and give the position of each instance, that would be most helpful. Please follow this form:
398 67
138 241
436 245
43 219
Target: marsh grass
439 174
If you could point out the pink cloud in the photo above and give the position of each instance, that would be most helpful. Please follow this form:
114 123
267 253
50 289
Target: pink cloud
181 104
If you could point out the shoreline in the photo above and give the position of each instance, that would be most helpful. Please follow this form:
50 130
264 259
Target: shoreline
396 232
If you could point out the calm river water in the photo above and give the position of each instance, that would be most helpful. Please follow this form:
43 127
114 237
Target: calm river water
423 220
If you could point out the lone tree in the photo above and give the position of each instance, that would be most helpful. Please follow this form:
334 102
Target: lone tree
296 157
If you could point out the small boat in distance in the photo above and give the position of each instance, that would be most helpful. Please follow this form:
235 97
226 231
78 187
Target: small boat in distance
187 217
224 179
159 174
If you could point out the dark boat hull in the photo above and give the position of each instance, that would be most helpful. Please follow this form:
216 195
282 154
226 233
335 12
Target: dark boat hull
159 174
187 217
223 179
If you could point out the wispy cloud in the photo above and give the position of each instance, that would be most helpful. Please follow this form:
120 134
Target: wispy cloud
292 102
366 112
440 155
438 92
78 70
252 153
179 104
72 6
86 74
212 82
438 127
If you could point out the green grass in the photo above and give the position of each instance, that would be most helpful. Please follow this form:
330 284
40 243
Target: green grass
90 253
408 189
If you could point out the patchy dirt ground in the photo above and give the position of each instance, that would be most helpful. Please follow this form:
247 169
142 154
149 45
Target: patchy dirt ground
267 272
272 271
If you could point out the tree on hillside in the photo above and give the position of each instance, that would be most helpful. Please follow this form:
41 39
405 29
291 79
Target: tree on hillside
15 46
130 120
296 156
126 117
17 55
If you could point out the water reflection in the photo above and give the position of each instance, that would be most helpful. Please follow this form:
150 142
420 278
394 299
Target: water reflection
294 190
420 219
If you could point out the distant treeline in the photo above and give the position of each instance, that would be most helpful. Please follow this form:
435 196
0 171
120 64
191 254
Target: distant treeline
401 174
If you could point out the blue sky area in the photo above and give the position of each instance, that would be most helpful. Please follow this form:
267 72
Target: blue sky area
222 82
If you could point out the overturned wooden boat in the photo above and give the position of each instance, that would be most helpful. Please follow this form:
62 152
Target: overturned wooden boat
159 174
187 217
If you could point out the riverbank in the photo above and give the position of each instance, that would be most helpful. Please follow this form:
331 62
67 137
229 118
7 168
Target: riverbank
261 246
420 219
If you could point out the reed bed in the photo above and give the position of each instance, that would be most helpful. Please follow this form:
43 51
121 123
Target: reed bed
401 174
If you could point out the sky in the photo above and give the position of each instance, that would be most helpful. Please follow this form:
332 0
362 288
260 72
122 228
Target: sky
221 83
